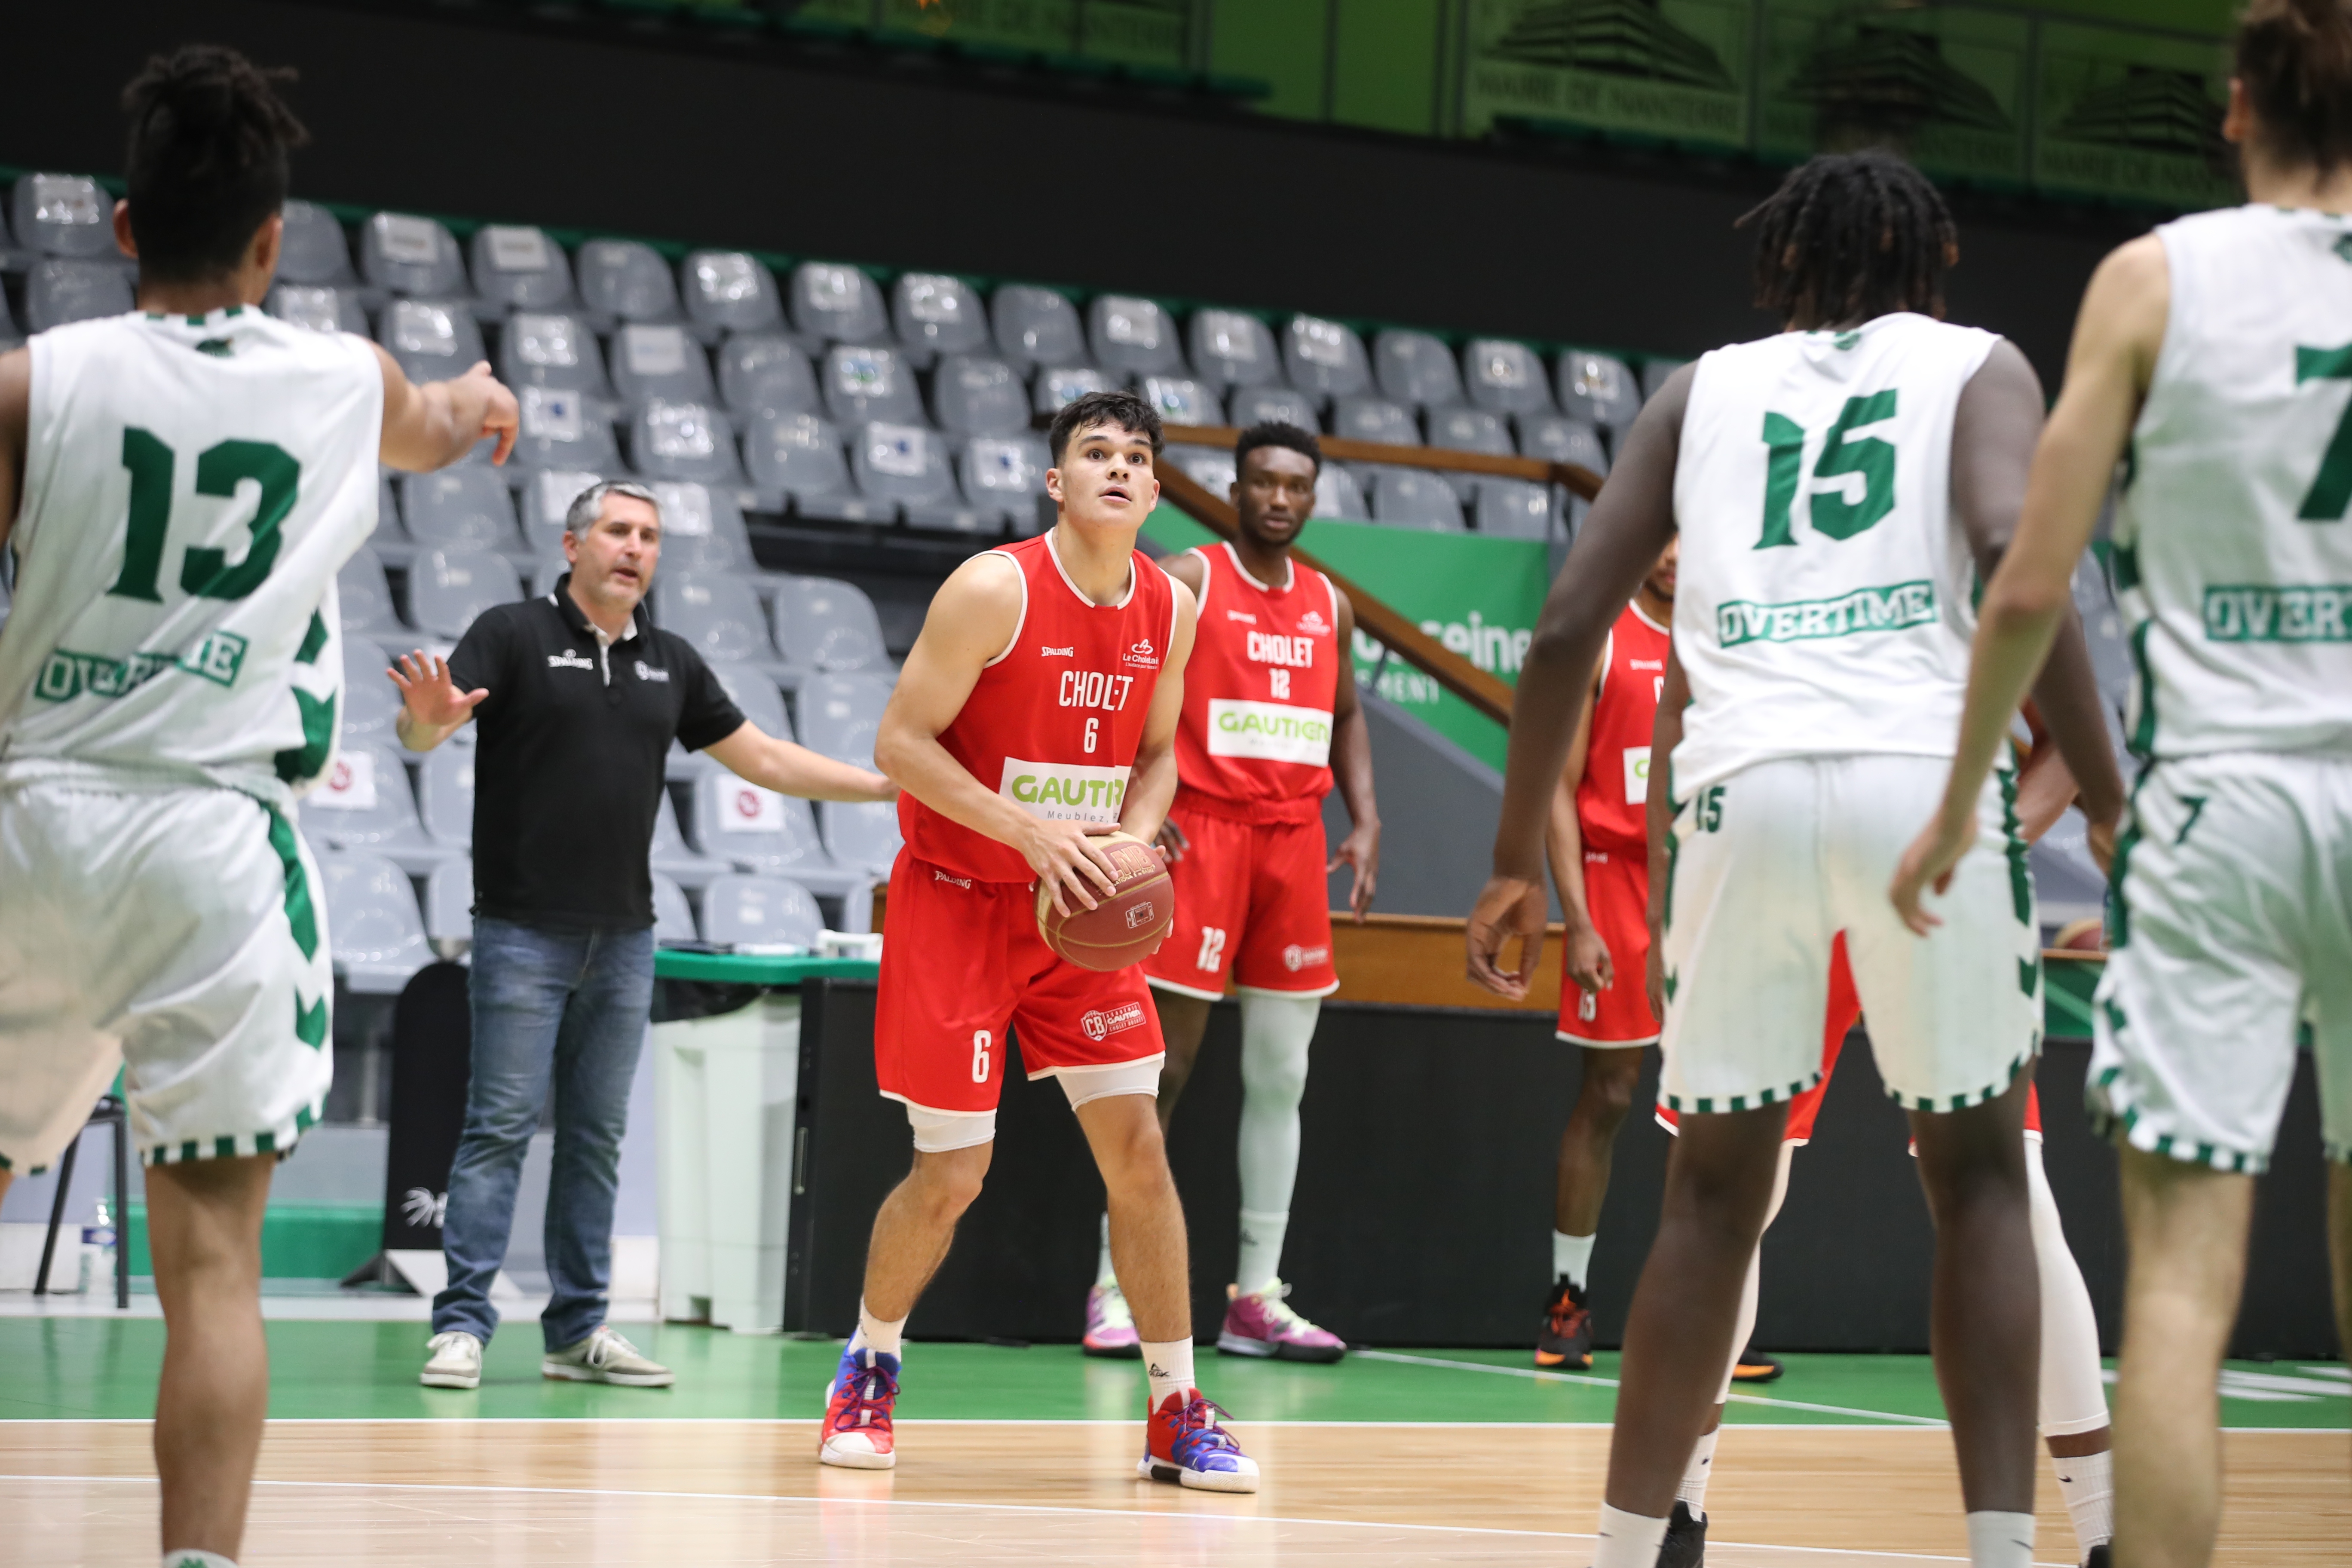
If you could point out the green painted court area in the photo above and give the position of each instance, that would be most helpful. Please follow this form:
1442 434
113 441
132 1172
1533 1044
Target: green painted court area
83 1368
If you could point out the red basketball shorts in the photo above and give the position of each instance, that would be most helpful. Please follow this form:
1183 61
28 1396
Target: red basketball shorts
1617 893
1251 904
962 960
1844 1011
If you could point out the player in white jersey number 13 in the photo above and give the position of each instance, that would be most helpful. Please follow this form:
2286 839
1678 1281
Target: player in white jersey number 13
1833 488
179 487
2214 359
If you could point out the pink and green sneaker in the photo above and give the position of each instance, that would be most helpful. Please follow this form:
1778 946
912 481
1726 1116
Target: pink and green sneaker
1111 1327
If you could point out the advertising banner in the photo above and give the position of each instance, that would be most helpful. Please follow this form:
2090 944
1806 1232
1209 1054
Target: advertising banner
1947 85
1049 26
1478 596
2134 115
1675 69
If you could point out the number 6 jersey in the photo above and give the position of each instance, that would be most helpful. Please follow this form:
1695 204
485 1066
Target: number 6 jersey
1823 604
192 486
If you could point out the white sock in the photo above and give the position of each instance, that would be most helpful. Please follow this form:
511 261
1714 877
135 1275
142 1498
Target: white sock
1260 1263
1572 1256
2073 1397
2001 1539
1104 1273
1167 1365
1629 1540
2087 1482
873 1333
1696 1477
191 1559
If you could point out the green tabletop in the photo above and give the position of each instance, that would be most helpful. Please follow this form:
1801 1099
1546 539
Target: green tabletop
759 969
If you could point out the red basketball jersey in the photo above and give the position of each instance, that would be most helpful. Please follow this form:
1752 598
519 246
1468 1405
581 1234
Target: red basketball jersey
1054 720
1259 688
1611 801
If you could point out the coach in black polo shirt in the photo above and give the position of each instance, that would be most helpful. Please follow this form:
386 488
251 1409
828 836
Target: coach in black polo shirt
576 697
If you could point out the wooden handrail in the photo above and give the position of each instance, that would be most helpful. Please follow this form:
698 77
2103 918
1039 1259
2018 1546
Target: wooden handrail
1488 693
1575 476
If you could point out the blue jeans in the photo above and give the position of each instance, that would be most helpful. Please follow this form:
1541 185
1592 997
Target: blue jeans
572 1005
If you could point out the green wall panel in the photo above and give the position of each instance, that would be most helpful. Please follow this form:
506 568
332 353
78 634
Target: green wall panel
1282 42
1385 64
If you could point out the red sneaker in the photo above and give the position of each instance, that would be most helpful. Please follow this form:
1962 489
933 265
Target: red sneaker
857 1433
1184 1443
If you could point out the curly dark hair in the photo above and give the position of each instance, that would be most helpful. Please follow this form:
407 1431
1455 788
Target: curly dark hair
1278 433
207 164
1122 408
1850 236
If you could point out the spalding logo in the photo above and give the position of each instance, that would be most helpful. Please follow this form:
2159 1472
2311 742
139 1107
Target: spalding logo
1295 958
1138 916
1105 1021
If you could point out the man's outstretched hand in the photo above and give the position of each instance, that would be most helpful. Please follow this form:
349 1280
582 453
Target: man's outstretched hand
1508 907
430 698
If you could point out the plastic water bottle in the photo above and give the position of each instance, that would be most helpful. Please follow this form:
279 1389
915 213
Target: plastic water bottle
98 1244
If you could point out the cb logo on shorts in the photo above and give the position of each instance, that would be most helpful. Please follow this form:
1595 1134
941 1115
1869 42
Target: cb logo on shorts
1295 958
1106 1021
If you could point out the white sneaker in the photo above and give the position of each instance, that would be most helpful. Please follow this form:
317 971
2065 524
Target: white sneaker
606 1357
455 1361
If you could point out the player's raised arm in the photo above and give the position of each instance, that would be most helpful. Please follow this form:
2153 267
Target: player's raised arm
1152 780
1351 772
1632 523
2030 596
433 426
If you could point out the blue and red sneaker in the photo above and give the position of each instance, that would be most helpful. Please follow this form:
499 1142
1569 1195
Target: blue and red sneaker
1183 1443
857 1411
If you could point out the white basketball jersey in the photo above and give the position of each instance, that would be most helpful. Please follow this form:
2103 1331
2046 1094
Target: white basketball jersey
2233 545
192 486
1823 602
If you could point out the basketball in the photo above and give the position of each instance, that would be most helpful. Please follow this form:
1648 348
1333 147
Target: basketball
1123 927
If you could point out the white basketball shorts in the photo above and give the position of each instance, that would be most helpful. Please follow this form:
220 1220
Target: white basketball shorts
177 931
1770 864
2233 926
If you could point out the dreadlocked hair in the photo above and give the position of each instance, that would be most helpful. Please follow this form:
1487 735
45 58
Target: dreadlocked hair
1850 236
206 163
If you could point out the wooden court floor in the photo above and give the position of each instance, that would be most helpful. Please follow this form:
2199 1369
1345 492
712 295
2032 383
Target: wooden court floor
666 1493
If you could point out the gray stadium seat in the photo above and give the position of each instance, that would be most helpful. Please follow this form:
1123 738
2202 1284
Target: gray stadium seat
752 829
365 598
63 214
1559 439
732 290
373 926
1251 405
449 905
1324 359
447 587
1374 419
702 528
973 395
1504 377
1413 500
1468 430
388 538
684 441
1513 508
364 804
1003 474
936 314
860 834
799 458
445 795
837 304
9 336
317 306
547 499
906 466
1337 495
370 705
1598 389
430 339
1181 400
1233 347
539 348
1057 389
1208 467
1036 326
760 911
754 691
60 289
766 372
823 626
1416 369
459 506
1133 337
673 859
563 429
673 916
625 281
519 267
412 255
659 360
314 249
863 383
1654 373
839 714
719 615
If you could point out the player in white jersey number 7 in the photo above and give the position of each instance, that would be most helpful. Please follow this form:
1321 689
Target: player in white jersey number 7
179 487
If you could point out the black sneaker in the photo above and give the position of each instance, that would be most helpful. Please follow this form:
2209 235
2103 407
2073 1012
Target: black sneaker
2099 1557
1565 1339
1755 1366
1685 1543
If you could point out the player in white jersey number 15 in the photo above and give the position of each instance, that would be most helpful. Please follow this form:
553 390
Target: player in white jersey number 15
2211 358
179 487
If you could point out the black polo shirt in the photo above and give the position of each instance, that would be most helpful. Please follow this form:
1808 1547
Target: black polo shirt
569 754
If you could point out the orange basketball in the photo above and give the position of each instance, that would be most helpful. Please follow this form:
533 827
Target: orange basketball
1124 926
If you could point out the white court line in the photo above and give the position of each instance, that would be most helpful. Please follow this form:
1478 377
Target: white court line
1612 1383
1230 1518
1918 1424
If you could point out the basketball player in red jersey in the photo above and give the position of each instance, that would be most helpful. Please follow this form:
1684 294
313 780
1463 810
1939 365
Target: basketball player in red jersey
1038 707
1270 716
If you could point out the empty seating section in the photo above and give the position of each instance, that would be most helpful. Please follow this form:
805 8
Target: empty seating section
658 360
459 506
1037 328
973 395
733 291
1598 389
543 348
934 314
1504 377
431 340
718 613
1232 348
760 912
1133 337
828 628
766 372
623 281
1247 405
835 303
412 256
1416 368
519 268
691 441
